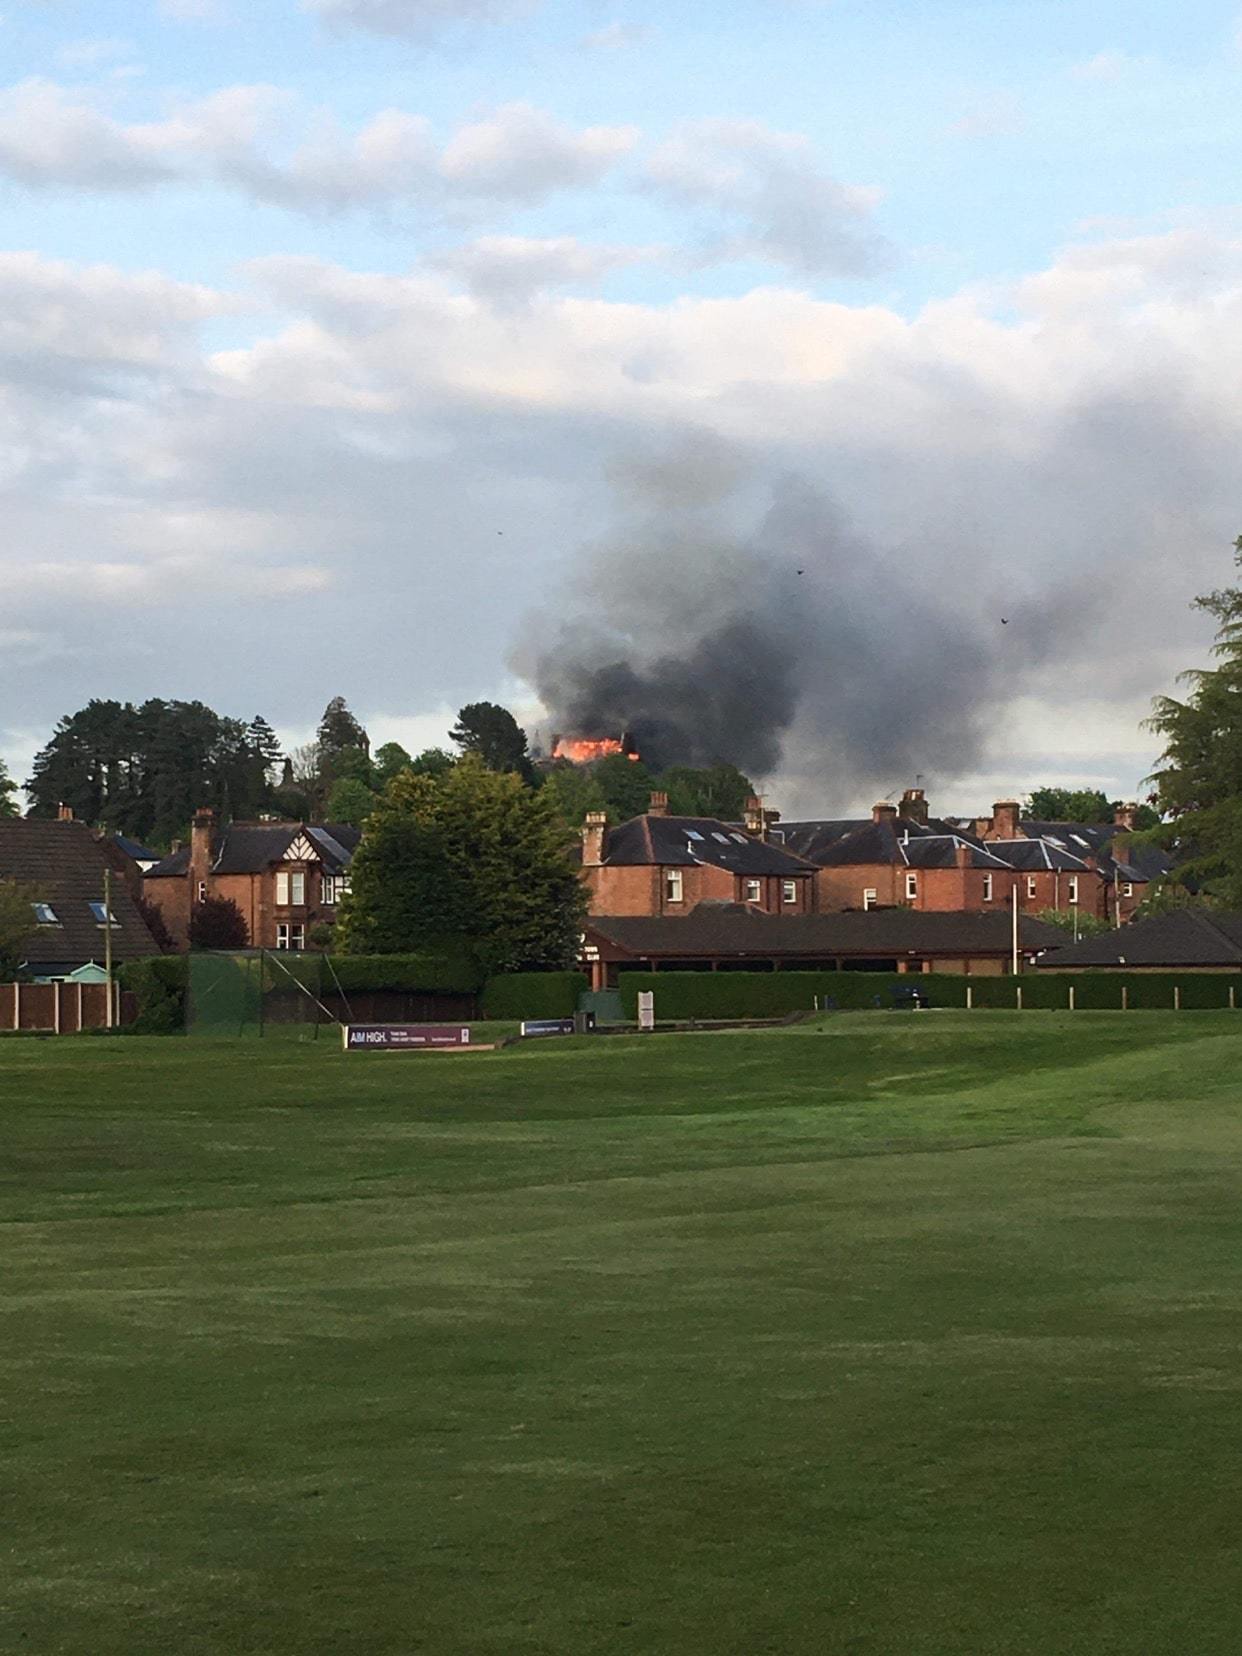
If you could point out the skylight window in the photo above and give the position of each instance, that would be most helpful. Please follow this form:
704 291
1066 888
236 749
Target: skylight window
693 833
723 838
45 914
740 838
1053 840
103 917
1078 840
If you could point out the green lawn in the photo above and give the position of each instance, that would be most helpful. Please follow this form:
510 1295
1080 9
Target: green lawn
906 1333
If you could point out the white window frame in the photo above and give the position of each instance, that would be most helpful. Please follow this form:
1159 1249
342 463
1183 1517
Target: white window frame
870 897
789 891
673 886
1032 885
1072 890
290 888
987 888
753 890
1127 888
282 889
291 937
912 885
46 915
202 891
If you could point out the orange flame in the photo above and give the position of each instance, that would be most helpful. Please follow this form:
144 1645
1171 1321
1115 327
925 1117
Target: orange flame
584 752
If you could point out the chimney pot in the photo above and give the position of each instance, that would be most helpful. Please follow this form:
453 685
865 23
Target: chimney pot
64 813
914 806
657 805
883 811
1124 816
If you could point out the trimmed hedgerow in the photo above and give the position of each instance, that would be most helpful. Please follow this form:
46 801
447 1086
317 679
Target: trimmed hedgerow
445 972
533 995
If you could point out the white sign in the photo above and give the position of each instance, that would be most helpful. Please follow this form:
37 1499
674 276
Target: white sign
646 1009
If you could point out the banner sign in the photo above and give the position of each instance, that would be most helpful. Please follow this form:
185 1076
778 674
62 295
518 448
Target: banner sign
403 1037
646 1009
548 1026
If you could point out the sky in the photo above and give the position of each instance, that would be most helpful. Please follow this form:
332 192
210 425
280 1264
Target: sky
390 348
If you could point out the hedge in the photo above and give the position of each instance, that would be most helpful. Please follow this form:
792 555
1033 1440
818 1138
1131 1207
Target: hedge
445 972
710 995
533 995
159 982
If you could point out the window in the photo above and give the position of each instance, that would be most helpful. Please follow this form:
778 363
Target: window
912 885
291 937
754 891
789 891
869 896
1127 890
202 891
741 839
45 914
672 885
723 838
1032 885
987 888
693 833
290 890
103 917
334 887
1073 888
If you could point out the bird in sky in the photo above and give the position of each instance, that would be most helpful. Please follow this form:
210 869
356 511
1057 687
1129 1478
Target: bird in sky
1004 622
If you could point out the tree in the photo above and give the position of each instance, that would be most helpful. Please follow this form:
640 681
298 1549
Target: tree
572 791
338 731
390 761
8 805
626 785
350 801
494 736
472 858
714 791
218 923
17 923
1198 780
1078 923
432 762
1069 805
155 923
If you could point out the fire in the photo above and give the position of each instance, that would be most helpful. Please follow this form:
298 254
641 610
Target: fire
584 751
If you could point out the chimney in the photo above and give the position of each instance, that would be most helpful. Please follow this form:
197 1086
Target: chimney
884 812
64 813
594 834
657 805
1005 820
200 848
752 817
1124 816
914 806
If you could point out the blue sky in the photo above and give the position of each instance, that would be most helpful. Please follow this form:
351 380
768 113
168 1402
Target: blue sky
304 294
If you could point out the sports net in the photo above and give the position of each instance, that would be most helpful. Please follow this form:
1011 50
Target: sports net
255 993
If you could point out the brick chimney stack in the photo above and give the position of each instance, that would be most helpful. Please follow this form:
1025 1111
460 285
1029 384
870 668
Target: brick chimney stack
1124 816
1005 820
914 806
200 849
657 805
884 811
594 834
752 816
64 813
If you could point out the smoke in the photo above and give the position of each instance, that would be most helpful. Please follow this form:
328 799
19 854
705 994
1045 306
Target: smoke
738 616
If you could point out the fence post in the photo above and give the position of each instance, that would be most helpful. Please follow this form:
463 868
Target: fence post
1125 998
1071 997
1177 997
970 998
1233 998
17 1005
60 989
1018 996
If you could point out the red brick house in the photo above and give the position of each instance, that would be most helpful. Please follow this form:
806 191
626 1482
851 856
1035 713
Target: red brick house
657 864
285 877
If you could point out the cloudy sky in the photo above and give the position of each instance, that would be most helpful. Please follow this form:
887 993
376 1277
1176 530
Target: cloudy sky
392 347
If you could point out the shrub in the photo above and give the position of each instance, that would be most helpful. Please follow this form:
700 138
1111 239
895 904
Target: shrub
533 995
218 923
441 972
159 982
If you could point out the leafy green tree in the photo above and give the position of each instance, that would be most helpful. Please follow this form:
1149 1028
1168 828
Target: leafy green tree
626 785
472 858
432 762
1069 805
218 923
1080 924
714 791
338 731
572 791
1198 780
17 923
350 801
390 761
494 736
8 804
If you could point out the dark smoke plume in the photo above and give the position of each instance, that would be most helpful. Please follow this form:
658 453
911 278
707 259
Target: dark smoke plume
795 645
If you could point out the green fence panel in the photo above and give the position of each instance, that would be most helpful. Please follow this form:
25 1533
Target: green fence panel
224 994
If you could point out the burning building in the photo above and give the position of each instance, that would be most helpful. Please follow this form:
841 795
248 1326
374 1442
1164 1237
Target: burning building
585 750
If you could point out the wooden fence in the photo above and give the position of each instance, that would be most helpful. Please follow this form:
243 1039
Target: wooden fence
63 1008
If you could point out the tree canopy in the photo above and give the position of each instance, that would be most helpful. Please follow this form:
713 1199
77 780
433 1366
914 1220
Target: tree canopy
17 923
494 736
1198 779
471 858
8 788
1082 805
218 923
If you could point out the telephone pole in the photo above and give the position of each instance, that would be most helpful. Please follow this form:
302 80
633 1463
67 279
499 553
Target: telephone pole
107 906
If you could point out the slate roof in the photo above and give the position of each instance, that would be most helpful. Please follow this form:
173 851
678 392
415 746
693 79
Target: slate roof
250 847
1036 856
900 843
66 863
1184 937
1134 862
133 850
717 929
683 842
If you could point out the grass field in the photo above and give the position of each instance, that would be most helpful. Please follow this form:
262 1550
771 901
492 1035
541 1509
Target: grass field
906 1333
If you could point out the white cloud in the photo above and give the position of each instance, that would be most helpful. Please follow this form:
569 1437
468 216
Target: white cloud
764 194
511 269
51 137
415 19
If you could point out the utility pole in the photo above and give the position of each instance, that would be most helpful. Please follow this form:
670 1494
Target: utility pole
107 905
1015 925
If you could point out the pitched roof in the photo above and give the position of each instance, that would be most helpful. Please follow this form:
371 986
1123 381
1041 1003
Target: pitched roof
66 863
683 841
1034 855
250 847
1136 862
738 929
1184 937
